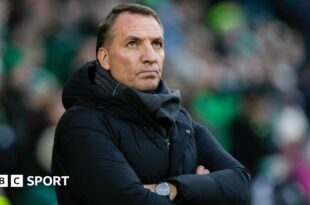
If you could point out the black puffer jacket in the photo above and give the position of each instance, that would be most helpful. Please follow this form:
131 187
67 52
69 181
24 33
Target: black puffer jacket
113 139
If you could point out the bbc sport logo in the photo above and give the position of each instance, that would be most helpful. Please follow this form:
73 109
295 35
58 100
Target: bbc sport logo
17 180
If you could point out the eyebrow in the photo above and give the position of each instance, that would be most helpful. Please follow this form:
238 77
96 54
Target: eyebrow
133 37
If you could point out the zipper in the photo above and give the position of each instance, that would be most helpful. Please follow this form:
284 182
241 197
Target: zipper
168 139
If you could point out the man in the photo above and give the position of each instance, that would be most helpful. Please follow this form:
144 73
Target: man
124 138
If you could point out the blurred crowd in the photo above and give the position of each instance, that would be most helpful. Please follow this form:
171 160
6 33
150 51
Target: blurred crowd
243 68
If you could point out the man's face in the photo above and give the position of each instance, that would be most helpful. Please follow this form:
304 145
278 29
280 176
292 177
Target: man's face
135 53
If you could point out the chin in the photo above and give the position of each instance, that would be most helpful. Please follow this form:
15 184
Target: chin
148 87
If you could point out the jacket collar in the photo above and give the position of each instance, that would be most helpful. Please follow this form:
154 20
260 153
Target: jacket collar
161 105
93 86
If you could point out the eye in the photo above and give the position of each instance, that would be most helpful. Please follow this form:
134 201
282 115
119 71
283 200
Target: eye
132 44
157 44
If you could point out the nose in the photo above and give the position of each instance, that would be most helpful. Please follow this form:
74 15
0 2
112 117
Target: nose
148 55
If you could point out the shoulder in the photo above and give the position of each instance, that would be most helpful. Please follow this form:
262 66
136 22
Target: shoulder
80 119
80 115
184 116
186 119
78 123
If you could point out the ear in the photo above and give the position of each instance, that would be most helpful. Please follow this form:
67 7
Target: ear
103 58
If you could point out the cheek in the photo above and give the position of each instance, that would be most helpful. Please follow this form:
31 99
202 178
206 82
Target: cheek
123 65
162 56
123 59
162 59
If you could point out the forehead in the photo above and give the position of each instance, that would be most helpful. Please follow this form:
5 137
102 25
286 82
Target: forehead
127 24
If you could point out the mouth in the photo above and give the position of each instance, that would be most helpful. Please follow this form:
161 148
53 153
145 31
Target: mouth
149 69
148 74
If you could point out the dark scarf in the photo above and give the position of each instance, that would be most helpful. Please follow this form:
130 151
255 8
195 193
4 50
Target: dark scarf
162 103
